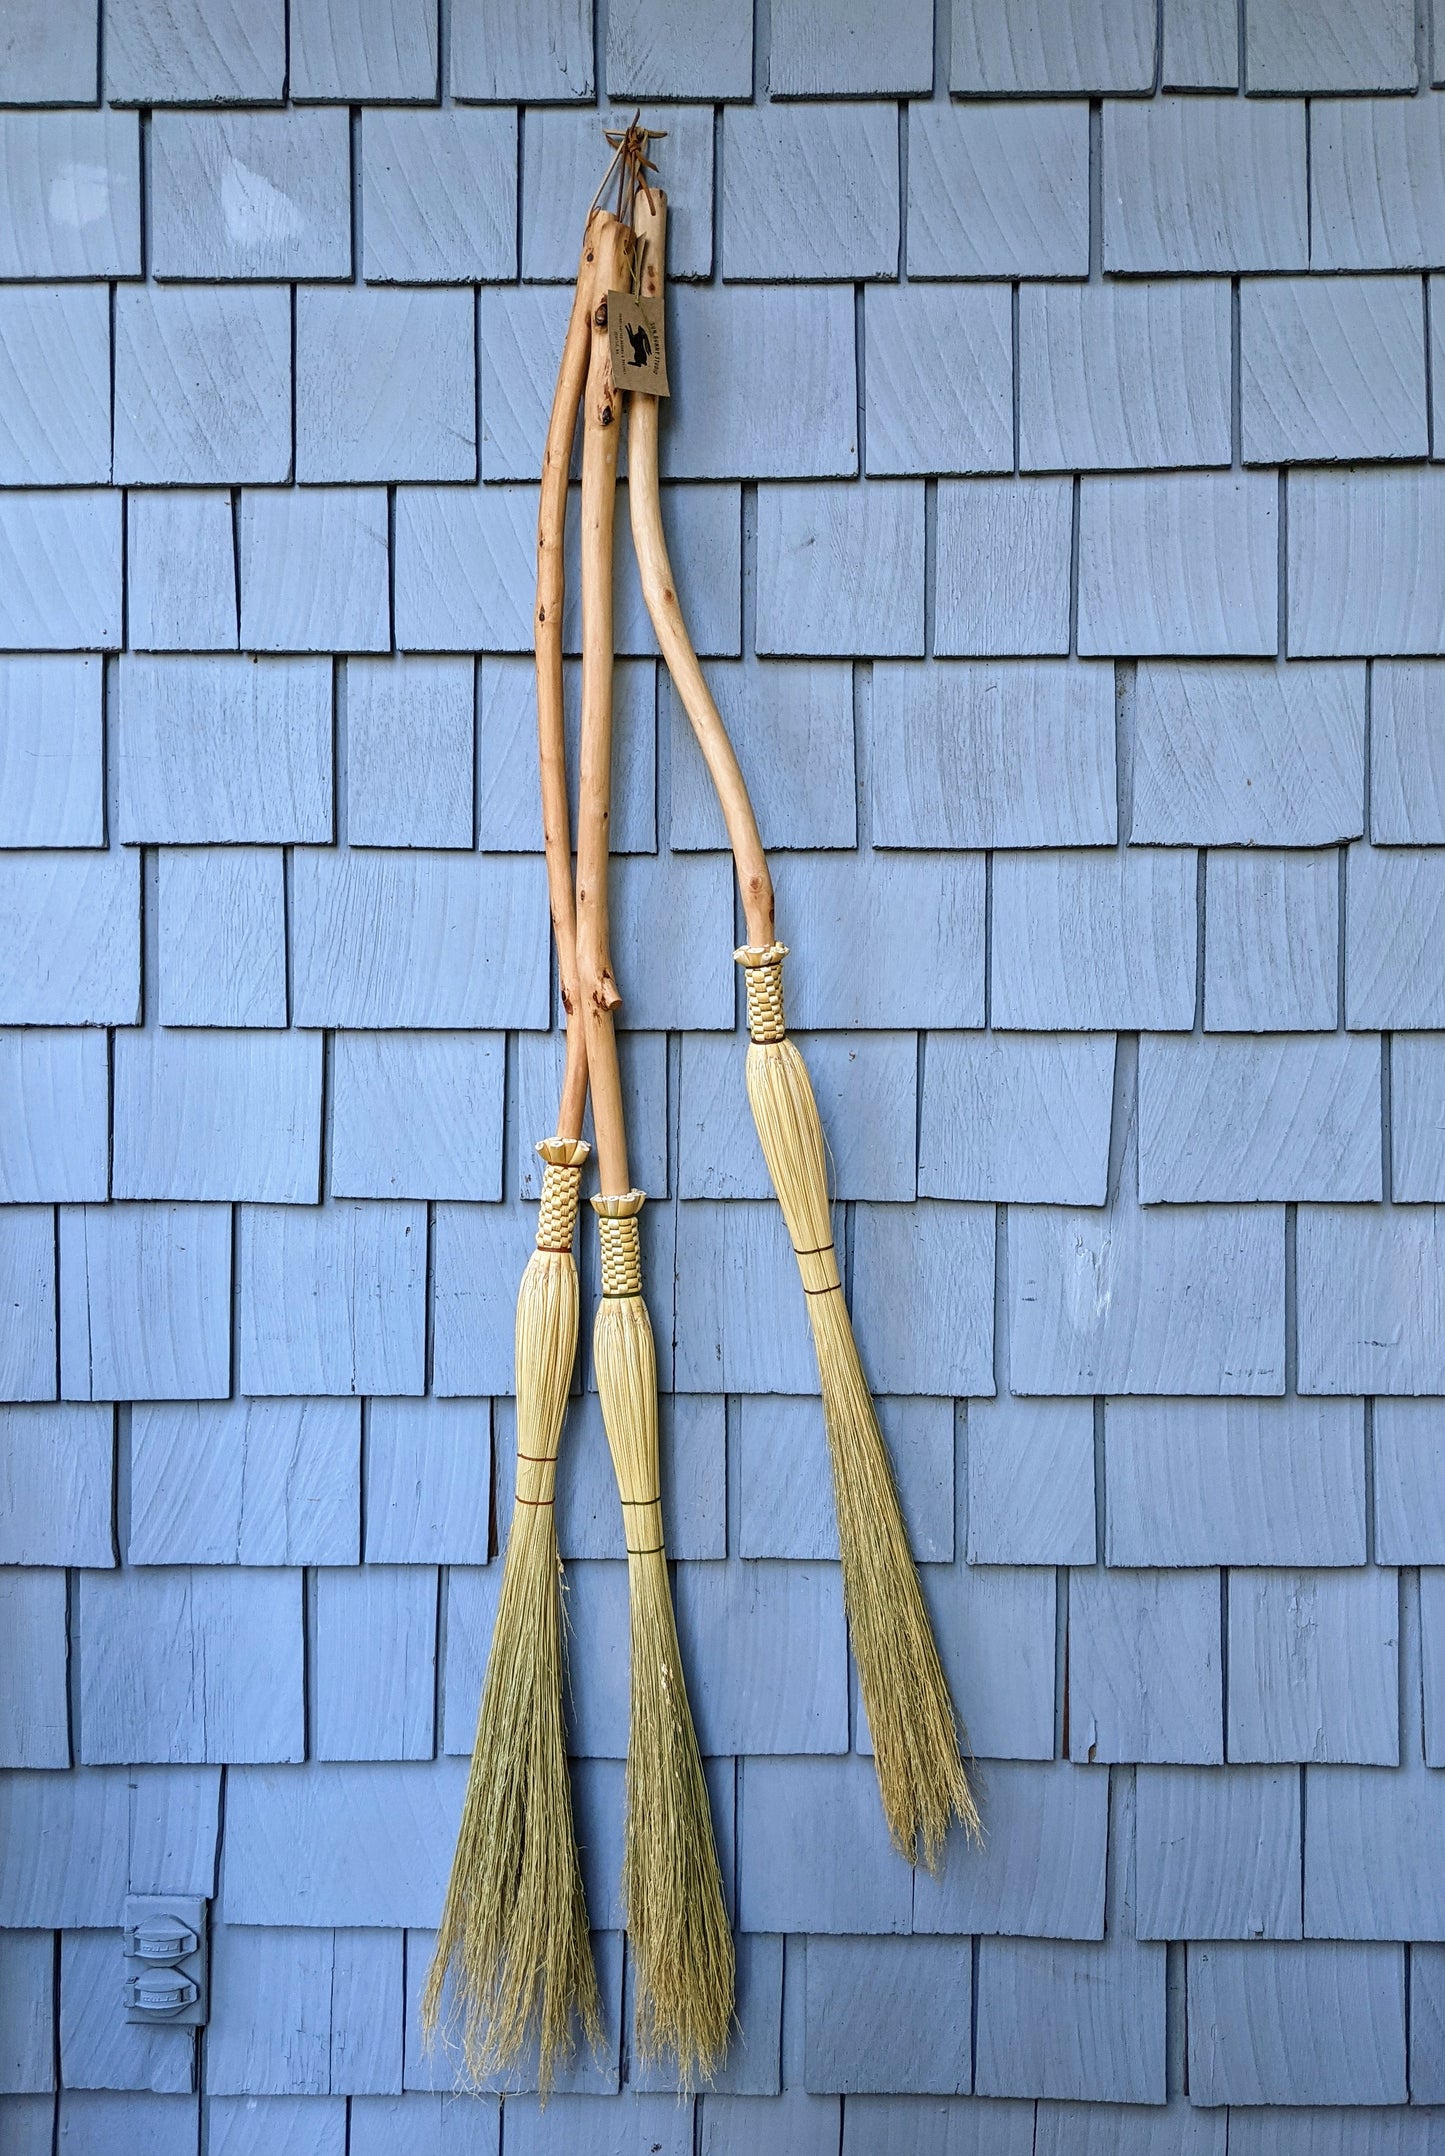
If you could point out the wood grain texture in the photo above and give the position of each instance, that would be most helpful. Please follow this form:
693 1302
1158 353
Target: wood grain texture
1018 1118
1069 2021
740 1323
1271 941
60 569
72 194
428 2124
1407 753
1283 2023
865 1085
652 52
304 2013
201 1115
541 57
1409 1438
1427 2023
840 570
1229 1119
998 190
886 2014
54 387
145 1302
1201 48
99 2048
937 2126
55 1485
1178 565
1145 1679
812 1848
27 2015
76 1844
1366 554
1335 47
1113 377
417 1115
1002 567
1331 370
1236 1482
172 1674
315 571
1204 184
277 2125
1314 1666
54 1115
1030 1482
1040 1870
261 769
836 169
97 2119
180 570
794 347
455 555
923 417
785 1502
1370 1870
1009 754
340 1843
332 1299
441 197
1218 1853
766 1654
34 1708
202 386
428 1482
922 1293
372 1655
416 939
860 50
161 52
1130 2129
995 1630
671 938
358 51
50 752
1028 48
656 2121
385 385
221 937
1084 941
838 913
1394 970
246 1482
1250 755
250 194
478 1255
515 321
563 157
409 743
47 54
798 718
1371 1299
1378 183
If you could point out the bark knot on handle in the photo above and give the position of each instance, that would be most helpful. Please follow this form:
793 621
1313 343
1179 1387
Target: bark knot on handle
621 1249
763 977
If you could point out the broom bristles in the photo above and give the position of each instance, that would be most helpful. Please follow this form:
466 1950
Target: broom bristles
915 1732
514 1935
671 1883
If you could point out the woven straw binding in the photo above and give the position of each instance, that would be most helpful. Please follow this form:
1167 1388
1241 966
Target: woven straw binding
561 1189
763 975
621 1252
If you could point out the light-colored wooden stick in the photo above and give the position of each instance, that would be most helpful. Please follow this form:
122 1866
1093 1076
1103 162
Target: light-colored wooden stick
659 589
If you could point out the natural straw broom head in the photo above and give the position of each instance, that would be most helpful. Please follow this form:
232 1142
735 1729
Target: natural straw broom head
905 1693
671 1883
513 1936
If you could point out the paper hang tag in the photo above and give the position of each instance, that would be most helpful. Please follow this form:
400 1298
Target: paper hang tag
639 356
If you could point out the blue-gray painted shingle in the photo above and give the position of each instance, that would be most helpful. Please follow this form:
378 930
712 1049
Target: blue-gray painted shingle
792 727
998 190
1016 1118
753 360
359 50
1409 1440
431 2124
54 386
409 752
1076 2022
1250 754
385 385
97 2123
100 2049
1332 369
703 527
1427 2025
1271 941
34 1710
840 570
926 414
1407 753
923 1296
71 193
1371 1299
539 55
654 50
315 570
1218 1852
441 197
55 1498
810 191
332 1299
785 1493
54 1116
1009 754
250 194
221 937
996 1637
1201 52
76 1844
766 1654
276 2125
1039 1871
1179 565
813 1849
563 160
671 932
740 1319
180 570
416 1115
51 752
1114 376
1002 570
1287 2024
1030 1482
865 1085
49 55
1204 183
1337 46
1366 560
203 1115
260 770
514 322
1313 1666
693 1446
428 1482
1370 1869
479 1254
69 939
888 2014
1032 48
183 52
462 566
145 1302
27 2016
540 1060
304 2013
817 49
1226 1119
1377 170
1088 940
340 1843
372 1654
60 570
941 2126
27 1295
1394 960
838 913
246 1482
1145 1667
1239 1482
202 386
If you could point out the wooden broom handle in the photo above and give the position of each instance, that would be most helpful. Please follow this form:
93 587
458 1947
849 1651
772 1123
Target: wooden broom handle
659 589
601 429
551 726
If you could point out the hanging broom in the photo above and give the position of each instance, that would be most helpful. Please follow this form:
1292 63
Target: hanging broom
915 1733
671 1884
514 1927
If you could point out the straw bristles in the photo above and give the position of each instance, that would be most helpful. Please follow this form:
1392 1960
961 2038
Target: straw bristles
514 1928
671 1884
905 1693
